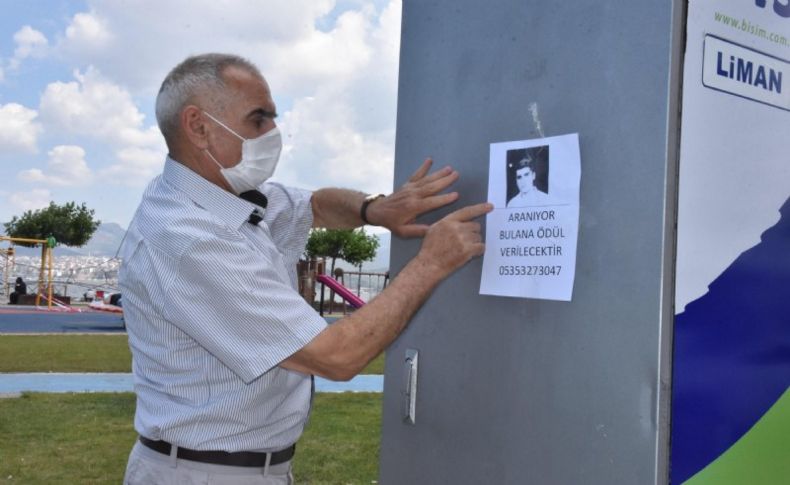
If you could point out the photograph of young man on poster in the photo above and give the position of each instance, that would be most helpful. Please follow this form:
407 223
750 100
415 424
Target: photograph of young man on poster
527 177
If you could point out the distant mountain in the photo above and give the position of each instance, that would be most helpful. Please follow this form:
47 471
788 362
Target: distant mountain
105 242
382 261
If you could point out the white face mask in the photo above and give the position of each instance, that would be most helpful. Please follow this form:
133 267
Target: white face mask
259 157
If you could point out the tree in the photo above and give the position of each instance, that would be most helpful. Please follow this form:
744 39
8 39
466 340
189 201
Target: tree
360 248
352 246
69 224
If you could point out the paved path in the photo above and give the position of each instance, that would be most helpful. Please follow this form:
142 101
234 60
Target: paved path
12 383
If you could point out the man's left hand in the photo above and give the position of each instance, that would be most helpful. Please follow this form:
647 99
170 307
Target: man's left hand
420 194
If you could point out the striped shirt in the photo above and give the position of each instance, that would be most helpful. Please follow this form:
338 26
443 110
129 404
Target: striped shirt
211 308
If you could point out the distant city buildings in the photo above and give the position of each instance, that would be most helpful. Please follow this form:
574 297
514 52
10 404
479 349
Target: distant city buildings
75 275
71 275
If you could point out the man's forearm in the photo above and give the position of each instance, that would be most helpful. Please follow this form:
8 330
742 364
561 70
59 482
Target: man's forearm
337 208
342 350
346 347
371 329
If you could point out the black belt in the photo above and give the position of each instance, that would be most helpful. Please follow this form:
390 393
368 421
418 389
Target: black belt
238 458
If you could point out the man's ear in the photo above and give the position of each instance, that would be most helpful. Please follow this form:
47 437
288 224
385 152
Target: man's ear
194 125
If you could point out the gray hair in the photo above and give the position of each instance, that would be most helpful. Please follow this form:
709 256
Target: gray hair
194 76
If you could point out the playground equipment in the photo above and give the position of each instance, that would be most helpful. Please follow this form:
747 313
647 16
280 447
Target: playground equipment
312 272
341 290
100 305
53 304
45 273
9 257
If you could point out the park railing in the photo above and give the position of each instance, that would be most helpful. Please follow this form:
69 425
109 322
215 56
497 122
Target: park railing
364 285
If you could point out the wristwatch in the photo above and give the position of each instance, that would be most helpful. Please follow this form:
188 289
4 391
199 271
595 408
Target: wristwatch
363 211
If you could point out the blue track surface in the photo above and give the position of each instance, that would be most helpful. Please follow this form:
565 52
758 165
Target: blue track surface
15 319
28 320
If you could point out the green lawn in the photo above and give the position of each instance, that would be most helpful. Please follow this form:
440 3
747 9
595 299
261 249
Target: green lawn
86 438
376 367
64 353
81 353
341 442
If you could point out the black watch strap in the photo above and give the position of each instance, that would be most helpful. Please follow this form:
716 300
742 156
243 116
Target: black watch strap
363 211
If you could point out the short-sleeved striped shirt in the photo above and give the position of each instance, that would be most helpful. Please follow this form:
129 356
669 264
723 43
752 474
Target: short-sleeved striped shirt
211 308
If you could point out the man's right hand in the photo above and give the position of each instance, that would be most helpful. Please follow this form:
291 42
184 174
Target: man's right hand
454 240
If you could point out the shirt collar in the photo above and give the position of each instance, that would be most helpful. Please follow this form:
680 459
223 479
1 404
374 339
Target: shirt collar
229 208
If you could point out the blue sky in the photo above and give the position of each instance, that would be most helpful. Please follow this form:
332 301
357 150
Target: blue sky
78 81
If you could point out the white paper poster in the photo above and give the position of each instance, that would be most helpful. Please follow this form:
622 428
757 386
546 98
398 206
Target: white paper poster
531 233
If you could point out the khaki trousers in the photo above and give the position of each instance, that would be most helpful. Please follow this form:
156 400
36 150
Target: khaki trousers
148 467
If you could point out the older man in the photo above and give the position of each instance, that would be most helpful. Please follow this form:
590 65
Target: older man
224 347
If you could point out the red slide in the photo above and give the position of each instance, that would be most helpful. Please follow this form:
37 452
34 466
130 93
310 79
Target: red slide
58 306
341 290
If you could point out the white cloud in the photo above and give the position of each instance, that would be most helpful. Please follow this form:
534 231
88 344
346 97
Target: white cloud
320 152
134 136
282 38
137 166
18 128
88 39
29 43
87 30
117 37
343 133
322 57
66 167
30 200
341 78
92 106
337 76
